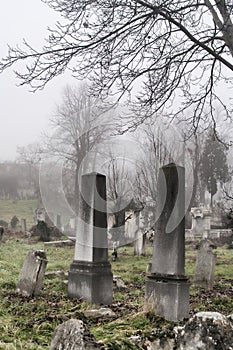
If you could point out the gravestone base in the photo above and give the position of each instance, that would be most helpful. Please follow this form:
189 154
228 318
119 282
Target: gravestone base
92 282
167 297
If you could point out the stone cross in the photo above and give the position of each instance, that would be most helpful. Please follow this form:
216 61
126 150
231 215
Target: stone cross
90 276
167 289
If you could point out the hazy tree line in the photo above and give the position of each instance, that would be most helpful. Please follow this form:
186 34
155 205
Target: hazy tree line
17 181
83 137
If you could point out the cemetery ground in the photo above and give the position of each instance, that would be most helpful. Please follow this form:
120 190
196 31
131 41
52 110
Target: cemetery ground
29 322
19 208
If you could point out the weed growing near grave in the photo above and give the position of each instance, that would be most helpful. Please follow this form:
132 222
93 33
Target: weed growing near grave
29 323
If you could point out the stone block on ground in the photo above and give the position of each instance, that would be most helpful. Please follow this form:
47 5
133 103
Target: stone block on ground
118 282
73 335
32 274
58 273
206 331
103 312
64 243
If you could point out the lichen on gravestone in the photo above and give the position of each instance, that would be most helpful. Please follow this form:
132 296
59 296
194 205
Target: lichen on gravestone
73 335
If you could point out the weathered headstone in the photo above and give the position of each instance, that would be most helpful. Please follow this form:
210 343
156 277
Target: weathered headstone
167 288
58 223
201 221
39 215
23 225
90 276
205 266
130 225
32 274
72 224
140 237
73 335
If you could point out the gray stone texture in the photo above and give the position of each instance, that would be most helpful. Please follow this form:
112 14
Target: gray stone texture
92 282
91 240
23 225
32 274
103 312
167 288
205 266
73 335
90 276
169 239
167 298
58 222
140 237
206 331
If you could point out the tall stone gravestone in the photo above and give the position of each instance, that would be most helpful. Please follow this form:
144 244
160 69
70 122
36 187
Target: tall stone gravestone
205 266
90 276
167 288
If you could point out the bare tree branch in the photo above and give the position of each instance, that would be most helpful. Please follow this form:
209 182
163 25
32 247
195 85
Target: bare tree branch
176 53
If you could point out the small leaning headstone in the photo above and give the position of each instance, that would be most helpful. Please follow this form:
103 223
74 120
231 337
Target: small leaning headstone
32 274
205 266
73 335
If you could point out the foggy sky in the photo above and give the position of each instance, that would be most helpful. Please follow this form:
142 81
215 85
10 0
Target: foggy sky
24 115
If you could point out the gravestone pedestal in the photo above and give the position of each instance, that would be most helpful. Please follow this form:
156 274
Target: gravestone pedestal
167 297
90 276
167 288
91 281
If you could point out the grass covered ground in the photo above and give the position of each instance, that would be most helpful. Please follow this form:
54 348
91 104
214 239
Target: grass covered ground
28 323
23 209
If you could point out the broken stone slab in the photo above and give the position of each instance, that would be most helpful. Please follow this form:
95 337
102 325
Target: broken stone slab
32 274
118 282
67 242
98 313
73 335
58 273
206 331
